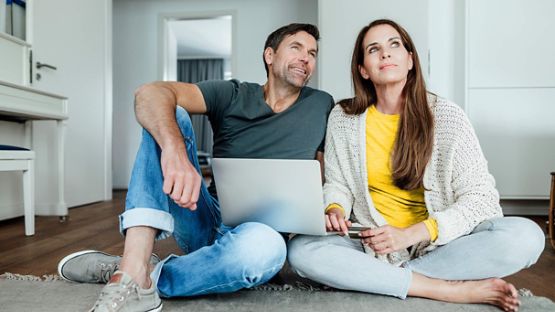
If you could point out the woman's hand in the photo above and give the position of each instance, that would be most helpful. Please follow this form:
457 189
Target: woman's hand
335 221
387 239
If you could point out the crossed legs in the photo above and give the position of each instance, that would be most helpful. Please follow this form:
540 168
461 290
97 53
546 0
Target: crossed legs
467 270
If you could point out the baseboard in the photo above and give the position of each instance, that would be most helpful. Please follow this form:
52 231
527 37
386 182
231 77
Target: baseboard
525 207
50 210
11 210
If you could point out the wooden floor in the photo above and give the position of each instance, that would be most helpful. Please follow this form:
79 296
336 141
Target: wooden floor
95 226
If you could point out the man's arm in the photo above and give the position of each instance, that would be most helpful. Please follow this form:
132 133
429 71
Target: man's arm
155 105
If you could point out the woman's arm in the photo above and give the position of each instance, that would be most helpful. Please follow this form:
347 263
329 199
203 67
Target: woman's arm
336 190
475 197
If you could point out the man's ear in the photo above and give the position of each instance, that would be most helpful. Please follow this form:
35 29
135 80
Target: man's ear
363 72
269 56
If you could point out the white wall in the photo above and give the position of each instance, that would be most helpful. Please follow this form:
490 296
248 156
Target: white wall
2 16
340 22
436 27
446 27
172 55
136 26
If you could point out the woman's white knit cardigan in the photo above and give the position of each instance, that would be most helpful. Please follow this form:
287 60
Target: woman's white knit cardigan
459 191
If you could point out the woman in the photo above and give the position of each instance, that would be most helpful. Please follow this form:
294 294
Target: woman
407 165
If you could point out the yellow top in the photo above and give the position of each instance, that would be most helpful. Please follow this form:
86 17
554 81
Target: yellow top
400 208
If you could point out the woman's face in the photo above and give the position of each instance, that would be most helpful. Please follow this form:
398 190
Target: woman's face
386 61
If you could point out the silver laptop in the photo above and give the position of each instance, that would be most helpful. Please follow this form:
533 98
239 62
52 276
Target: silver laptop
284 194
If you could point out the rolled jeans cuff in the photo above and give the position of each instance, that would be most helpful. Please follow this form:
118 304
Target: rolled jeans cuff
154 218
155 274
408 281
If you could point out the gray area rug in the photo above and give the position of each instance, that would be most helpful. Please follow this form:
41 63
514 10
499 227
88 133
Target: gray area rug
26 293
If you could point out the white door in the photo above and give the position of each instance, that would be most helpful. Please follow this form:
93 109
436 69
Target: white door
75 37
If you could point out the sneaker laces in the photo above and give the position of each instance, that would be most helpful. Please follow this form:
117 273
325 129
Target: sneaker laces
114 296
106 271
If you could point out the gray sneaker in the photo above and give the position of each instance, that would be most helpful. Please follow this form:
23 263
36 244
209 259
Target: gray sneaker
125 295
91 266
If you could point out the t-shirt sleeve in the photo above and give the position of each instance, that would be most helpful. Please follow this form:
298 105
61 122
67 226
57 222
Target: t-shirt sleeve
218 95
330 107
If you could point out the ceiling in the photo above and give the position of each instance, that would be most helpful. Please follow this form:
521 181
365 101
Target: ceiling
203 38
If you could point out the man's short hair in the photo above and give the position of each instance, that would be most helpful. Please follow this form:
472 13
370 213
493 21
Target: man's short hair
275 38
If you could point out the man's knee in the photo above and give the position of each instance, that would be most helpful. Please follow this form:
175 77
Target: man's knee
261 251
184 122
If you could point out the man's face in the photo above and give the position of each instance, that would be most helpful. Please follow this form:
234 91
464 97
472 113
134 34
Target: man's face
294 60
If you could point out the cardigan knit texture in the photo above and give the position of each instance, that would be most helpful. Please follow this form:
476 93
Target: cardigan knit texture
459 191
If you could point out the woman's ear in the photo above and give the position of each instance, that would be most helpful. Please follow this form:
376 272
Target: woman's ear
363 72
411 61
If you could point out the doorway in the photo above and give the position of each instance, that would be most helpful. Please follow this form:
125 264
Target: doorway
196 48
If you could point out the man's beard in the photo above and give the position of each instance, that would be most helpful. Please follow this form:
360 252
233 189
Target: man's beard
294 81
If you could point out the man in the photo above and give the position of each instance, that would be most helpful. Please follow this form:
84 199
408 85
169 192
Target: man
280 119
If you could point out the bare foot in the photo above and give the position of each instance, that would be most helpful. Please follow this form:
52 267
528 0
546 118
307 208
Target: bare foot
492 291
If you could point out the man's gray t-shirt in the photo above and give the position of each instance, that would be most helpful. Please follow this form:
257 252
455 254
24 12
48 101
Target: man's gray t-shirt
245 126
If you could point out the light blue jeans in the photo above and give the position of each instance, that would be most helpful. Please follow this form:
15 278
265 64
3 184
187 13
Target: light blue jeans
496 248
217 258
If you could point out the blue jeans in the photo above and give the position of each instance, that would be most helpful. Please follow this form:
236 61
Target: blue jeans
496 248
217 258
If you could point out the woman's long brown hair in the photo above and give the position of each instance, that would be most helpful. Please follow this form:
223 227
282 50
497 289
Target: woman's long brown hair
413 146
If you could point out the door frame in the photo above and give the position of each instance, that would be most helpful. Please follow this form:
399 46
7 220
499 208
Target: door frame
163 34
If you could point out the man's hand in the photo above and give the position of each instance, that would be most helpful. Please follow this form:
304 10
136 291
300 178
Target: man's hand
155 105
181 179
335 221
387 239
